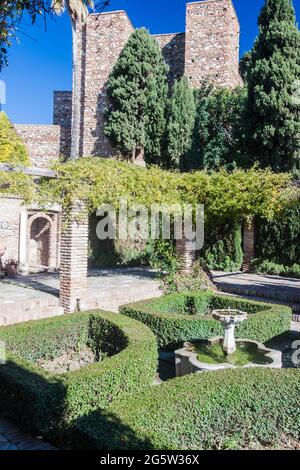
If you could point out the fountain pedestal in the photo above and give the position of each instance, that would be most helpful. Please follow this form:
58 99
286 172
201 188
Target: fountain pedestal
229 319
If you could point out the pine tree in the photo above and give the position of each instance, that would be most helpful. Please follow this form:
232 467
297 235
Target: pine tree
273 71
138 92
181 121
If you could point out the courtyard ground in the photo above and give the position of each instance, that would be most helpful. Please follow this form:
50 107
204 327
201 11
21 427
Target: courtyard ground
24 298
37 296
261 287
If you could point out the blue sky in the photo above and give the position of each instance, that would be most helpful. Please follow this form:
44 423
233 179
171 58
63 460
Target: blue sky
42 62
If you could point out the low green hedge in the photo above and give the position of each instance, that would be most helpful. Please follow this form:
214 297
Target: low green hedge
225 409
49 403
169 318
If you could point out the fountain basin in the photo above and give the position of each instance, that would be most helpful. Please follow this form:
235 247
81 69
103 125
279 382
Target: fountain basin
206 355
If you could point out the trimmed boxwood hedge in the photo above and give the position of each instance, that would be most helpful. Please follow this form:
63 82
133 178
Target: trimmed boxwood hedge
225 409
169 318
50 403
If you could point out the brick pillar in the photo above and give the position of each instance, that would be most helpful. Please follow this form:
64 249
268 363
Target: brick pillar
248 245
185 255
74 259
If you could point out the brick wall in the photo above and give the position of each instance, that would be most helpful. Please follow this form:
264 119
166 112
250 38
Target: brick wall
106 36
208 49
10 209
212 43
42 142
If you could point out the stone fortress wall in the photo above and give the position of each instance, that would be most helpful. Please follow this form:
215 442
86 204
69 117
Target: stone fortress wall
208 49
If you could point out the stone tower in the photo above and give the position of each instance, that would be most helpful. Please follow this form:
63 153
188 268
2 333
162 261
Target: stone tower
209 48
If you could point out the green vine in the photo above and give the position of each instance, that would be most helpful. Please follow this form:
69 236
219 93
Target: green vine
239 195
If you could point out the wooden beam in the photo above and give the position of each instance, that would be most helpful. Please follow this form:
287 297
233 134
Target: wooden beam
32 171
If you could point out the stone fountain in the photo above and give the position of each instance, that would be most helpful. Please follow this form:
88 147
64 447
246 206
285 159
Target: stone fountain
229 319
187 359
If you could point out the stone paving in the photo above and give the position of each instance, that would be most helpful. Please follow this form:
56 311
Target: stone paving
11 438
263 287
37 296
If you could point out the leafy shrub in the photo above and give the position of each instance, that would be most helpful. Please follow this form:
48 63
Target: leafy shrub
271 268
163 257
49 404
293 271
168 319
12 150
279 240
243 407
196 280
223 246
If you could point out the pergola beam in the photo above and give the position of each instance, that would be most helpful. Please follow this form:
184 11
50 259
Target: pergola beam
32 171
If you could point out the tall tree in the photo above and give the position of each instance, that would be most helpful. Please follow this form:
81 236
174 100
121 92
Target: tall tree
272 71
138 90
218 132
181 115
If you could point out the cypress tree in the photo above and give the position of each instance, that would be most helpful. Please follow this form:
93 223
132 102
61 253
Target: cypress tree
138 90
218 134
273 71
181 121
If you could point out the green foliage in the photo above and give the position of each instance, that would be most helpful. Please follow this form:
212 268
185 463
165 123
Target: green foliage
12 150
138 89
181 115
279 240
223 246
14 153
167 317
275 269
218 131
236 195
49 404
273 70
17 184
239 409
195 281
163 257
112 253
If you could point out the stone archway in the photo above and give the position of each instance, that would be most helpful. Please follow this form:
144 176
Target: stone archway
39 241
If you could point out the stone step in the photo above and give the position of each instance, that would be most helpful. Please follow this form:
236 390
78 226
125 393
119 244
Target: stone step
264 294
10 316
291 300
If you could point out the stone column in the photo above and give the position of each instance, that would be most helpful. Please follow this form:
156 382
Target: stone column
248 245
74 259
23 265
